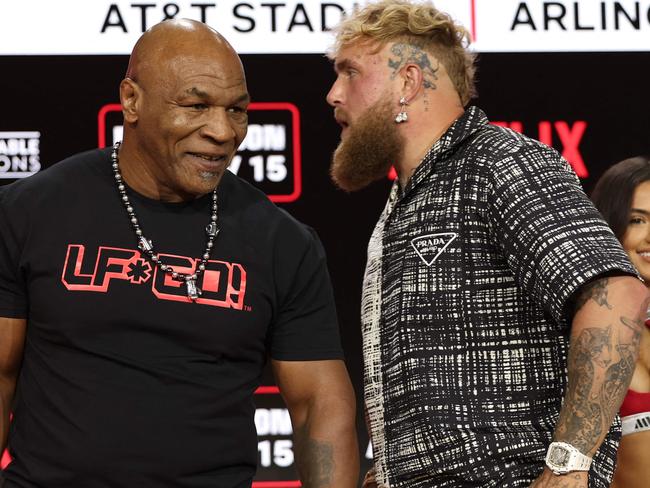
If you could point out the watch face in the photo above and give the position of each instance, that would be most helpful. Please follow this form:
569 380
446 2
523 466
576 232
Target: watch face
559 456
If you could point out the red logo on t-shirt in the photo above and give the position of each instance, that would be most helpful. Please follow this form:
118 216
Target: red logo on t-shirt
222 284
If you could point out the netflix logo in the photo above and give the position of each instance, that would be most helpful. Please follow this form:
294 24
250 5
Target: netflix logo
560 134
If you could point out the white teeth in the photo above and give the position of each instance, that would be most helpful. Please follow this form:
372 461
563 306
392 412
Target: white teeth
645 254
208 158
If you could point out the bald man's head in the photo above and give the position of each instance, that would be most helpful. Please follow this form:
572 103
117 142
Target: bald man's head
184 102
173 38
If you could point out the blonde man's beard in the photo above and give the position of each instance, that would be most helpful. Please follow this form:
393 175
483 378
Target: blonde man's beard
371 146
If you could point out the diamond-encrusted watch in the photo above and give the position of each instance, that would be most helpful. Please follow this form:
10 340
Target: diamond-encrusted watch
563 458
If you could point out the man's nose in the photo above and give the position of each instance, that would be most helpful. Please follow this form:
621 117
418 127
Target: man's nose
218 126
334 96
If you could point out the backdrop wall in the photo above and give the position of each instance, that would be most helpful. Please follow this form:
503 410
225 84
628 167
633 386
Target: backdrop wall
588 97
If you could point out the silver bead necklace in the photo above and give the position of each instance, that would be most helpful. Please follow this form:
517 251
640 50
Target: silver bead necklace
146 245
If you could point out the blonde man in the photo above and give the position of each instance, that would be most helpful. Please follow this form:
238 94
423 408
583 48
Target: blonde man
500 316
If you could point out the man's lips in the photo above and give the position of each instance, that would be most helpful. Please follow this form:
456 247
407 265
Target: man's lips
343 124
208 156
340 118
209 161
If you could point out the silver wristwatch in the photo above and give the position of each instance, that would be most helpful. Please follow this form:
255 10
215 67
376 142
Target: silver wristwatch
563 458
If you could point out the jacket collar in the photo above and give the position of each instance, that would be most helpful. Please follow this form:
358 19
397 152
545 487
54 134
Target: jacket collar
472 120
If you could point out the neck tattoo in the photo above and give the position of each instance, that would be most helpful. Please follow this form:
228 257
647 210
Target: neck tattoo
146 245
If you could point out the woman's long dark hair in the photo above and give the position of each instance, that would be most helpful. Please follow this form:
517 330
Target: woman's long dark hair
615 189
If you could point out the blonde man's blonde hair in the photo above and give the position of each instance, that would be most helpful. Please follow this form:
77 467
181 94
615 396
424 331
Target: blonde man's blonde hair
418 24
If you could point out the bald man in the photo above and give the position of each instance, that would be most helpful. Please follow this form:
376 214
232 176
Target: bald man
142 288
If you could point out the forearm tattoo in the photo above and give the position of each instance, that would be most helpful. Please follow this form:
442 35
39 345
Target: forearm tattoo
315 459
408 53
570 480
601 363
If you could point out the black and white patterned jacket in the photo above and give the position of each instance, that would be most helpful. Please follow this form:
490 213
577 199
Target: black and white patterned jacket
464 313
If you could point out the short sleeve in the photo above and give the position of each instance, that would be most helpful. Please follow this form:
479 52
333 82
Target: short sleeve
553 237
305 326
13 298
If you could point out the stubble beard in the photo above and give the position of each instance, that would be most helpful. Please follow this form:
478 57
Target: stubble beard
209 177
371 146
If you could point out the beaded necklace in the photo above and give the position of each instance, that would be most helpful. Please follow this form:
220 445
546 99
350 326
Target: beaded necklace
146 245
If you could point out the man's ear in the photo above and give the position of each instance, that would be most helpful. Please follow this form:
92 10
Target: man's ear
412 81
130 97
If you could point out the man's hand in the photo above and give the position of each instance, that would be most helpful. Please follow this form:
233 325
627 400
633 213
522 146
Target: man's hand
576 479
369 480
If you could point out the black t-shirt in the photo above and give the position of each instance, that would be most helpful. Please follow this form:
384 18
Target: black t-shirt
125 381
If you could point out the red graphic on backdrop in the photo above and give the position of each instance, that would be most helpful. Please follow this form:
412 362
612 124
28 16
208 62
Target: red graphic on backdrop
222 284
6 459
473 19
570 137
277 484
273 390
295 150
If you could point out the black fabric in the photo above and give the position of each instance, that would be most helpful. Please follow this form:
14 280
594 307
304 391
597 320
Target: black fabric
125 382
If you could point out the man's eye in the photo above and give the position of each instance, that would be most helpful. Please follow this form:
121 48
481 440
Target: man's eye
237 110
198 106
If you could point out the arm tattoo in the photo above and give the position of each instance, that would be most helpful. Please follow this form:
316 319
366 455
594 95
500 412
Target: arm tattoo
568 481
596 291
600 369
408 53
583 415
633 324
315 459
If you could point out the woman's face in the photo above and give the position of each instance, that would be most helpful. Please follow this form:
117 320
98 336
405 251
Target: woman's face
636 240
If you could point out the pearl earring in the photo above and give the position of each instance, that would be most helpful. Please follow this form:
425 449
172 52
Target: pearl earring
402 116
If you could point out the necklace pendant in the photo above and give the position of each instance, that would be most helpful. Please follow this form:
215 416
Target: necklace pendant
212 229
145 244
193 291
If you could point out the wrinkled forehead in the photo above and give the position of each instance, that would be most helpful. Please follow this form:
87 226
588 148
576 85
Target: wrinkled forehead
175 69
227 63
